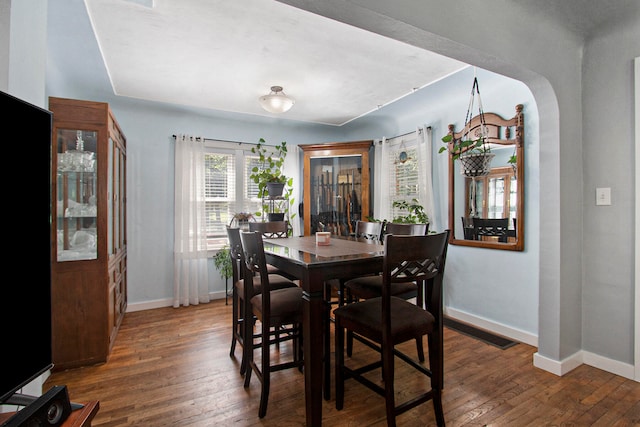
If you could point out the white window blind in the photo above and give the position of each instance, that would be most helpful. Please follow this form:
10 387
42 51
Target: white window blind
228 189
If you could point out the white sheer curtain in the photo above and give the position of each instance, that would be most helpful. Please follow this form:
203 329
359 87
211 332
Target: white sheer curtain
291 168
425 181
190 276
381 185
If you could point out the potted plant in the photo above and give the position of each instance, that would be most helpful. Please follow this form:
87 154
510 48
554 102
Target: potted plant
474 154
415 213
274 187
223 263
471 147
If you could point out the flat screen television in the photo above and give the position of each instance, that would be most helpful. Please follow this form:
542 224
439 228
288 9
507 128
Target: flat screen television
25 316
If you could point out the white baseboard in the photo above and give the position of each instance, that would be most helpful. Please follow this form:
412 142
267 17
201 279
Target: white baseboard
167 302
497 328
583 357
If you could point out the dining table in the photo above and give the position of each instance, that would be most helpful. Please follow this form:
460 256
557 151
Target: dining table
313 265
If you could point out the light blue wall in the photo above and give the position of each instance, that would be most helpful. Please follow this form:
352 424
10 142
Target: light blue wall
508 295
584 271
149 128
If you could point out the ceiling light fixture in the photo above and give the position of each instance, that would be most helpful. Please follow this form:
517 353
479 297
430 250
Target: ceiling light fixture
277 101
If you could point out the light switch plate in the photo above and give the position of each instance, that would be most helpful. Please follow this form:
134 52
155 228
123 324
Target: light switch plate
603 196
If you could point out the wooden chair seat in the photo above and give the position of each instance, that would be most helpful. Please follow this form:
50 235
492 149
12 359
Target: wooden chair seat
366 287
408 321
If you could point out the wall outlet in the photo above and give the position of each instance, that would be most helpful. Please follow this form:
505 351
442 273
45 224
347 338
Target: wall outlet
603 196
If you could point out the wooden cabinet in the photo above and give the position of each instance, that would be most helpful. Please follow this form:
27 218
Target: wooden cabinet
89 255
336 186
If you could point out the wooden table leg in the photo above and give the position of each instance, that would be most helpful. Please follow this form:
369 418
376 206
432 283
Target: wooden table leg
313 351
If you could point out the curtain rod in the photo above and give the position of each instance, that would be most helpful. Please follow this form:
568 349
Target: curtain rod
222 140
408 133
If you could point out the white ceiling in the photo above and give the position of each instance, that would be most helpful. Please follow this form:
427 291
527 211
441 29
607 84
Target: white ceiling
224 54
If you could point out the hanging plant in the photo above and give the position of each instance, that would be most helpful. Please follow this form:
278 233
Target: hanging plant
471 148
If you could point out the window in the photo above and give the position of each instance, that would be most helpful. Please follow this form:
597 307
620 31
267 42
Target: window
404 175
228 189
499 201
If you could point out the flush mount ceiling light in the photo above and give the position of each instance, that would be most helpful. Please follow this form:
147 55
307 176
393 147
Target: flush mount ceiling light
276 101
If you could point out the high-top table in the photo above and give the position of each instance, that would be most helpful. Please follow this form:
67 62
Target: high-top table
300 257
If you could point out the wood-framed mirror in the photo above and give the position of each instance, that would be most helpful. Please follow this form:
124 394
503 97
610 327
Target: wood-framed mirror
486 209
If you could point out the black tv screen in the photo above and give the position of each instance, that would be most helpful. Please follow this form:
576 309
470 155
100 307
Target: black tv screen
25 316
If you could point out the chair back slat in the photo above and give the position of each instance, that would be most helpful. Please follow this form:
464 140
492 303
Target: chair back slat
235 250
255 264
416 258
271 229
400 229
491 228
368 230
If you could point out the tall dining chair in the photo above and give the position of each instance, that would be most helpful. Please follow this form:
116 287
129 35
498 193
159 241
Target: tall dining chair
240 303
275 309
385 321
365 287
365 230
272 230
402 229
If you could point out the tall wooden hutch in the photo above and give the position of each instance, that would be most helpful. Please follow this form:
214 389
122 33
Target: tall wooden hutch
89 255
336 186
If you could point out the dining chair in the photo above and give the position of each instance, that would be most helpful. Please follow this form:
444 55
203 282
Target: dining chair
365 287
277 309
240 303
403 229
467 228
385 321
366 230
272 230
491 229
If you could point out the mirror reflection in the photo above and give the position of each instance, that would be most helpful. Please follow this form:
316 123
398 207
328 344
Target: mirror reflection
486 202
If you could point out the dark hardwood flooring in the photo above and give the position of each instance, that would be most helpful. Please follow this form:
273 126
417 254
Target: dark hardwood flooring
171 367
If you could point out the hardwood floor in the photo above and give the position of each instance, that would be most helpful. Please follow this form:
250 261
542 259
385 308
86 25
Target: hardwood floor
171 367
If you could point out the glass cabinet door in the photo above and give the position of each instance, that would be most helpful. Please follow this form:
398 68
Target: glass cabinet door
77 209
336 186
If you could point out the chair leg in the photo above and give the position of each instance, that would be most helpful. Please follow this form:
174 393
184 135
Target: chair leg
266 372
420 349
436 365
339 364
234 322
437 407
388 378
247 349
327 342
349 333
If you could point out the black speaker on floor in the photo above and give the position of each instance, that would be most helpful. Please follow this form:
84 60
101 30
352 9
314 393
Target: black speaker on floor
50 409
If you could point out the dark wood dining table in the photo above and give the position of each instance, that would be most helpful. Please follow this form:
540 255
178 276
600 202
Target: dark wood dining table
313 265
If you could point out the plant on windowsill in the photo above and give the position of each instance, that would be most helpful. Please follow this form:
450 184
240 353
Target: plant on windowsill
415 213
275 189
